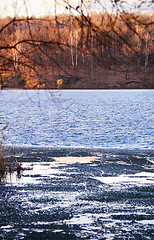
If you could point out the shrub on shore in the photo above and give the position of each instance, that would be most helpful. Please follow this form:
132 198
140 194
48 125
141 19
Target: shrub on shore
2 154
7 164
2 162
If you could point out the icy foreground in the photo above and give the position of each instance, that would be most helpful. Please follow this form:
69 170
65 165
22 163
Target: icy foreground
78 194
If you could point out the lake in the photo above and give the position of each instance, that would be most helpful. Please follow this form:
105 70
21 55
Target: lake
121 119
87 165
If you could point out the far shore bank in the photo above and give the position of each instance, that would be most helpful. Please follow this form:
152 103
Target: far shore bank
133 88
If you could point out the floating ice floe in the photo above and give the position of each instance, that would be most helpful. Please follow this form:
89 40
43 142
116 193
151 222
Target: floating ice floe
141 178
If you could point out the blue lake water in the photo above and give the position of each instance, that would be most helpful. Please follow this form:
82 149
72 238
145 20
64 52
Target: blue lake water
122 119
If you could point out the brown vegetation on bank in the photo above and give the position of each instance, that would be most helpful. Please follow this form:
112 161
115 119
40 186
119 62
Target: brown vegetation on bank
67 51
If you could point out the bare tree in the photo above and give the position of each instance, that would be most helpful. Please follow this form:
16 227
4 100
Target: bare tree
78 46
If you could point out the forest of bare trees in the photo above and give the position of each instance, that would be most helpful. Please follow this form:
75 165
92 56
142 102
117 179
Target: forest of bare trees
92 50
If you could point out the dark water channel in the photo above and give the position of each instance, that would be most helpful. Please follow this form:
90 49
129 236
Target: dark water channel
79 194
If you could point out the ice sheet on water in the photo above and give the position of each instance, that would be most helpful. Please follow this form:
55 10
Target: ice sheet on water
59 193
138 178
71 160
33 173
151 222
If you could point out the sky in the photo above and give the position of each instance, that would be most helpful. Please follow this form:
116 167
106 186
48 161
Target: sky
46 7
17 7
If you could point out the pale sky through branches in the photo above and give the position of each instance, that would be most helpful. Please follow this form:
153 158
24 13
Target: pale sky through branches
46 7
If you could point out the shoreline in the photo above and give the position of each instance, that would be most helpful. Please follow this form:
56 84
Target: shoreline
61 89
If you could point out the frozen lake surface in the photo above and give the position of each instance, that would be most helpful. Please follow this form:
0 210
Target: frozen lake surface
122 119
79 194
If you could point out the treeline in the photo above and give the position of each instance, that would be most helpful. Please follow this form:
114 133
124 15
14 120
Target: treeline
67 51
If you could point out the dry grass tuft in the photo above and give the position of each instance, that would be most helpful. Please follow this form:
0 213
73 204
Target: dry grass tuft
7 164
2 153
2 162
